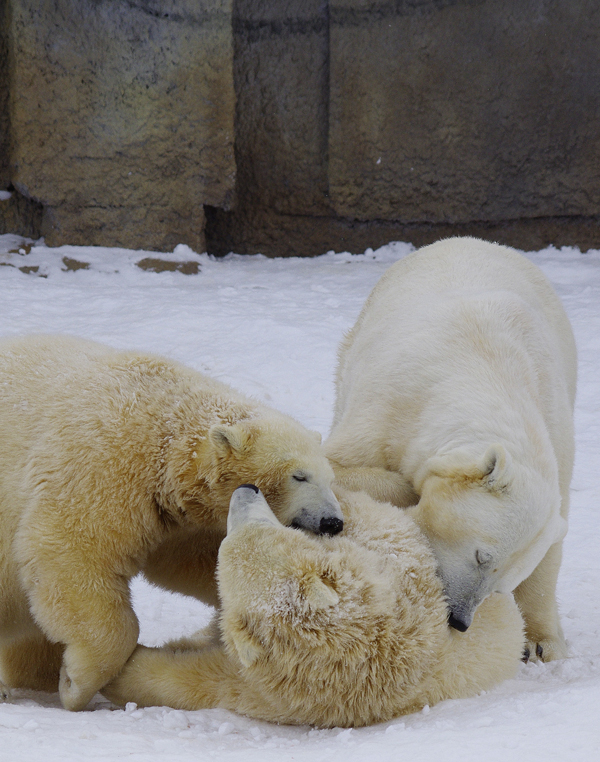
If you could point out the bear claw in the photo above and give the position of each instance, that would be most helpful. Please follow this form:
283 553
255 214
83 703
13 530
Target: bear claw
539 651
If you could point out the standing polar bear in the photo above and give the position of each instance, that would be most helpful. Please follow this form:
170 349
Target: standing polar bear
335 631
460 376
115 462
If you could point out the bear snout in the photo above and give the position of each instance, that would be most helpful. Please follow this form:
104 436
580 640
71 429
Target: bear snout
330 525
458 622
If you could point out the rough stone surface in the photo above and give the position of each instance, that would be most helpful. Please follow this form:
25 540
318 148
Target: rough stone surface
301 236
450 111
357 122
20 215
122 117
4 93
360 122
282 85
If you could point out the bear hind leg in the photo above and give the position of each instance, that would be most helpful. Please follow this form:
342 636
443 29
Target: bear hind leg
185 679
31 663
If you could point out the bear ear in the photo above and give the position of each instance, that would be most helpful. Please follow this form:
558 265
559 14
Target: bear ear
248 648
316 436
496 468
228 438
319 595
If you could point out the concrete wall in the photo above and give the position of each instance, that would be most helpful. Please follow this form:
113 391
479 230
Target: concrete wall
121 117
355 122
436 117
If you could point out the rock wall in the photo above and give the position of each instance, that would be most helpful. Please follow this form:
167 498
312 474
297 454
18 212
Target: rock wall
122 117
4 93
356 122
436 117
446 111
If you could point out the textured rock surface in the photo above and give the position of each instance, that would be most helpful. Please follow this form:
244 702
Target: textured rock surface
4 93
122 117
451 111
20 215
440 116
282 86
357 122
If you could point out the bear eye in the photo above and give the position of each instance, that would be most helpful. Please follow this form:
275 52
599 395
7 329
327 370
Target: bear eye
483 558
299 477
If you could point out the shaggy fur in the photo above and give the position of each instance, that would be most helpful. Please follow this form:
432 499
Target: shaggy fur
343 631
459 376
115 462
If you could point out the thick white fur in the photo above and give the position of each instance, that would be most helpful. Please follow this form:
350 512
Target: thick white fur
340 631
115 462
459 376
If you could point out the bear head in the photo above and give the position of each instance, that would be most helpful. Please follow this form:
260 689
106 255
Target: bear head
277 454
489 521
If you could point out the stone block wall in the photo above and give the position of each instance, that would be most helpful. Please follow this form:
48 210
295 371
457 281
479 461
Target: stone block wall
456 111
298 126
121 117
435 118
4 91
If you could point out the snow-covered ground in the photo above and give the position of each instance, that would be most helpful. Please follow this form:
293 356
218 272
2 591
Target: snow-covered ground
271 328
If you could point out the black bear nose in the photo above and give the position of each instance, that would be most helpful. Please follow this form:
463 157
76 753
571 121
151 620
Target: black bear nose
457 623
331 526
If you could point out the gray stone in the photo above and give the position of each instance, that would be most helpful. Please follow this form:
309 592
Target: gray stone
450 111
20 215
282 83
122 117
4 95
281 235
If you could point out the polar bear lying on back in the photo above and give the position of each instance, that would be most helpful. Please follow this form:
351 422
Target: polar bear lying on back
336 631
460 375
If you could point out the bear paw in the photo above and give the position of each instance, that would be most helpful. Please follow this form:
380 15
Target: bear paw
4 693
545 649
73 697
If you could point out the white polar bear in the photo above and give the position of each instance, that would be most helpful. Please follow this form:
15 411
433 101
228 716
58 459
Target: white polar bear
339 631
460 375
112 463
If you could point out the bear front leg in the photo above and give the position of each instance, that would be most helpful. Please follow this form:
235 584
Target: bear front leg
89 665
536 597
92 616
32 663
382 485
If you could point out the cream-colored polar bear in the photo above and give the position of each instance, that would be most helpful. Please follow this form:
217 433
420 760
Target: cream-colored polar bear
460 375
340 631
114 462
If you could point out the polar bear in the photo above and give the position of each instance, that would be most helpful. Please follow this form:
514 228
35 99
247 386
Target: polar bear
114 462
459 375
341 631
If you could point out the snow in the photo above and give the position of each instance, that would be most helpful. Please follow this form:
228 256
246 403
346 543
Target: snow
271 329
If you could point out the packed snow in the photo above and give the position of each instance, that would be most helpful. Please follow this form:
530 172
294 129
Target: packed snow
271 327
